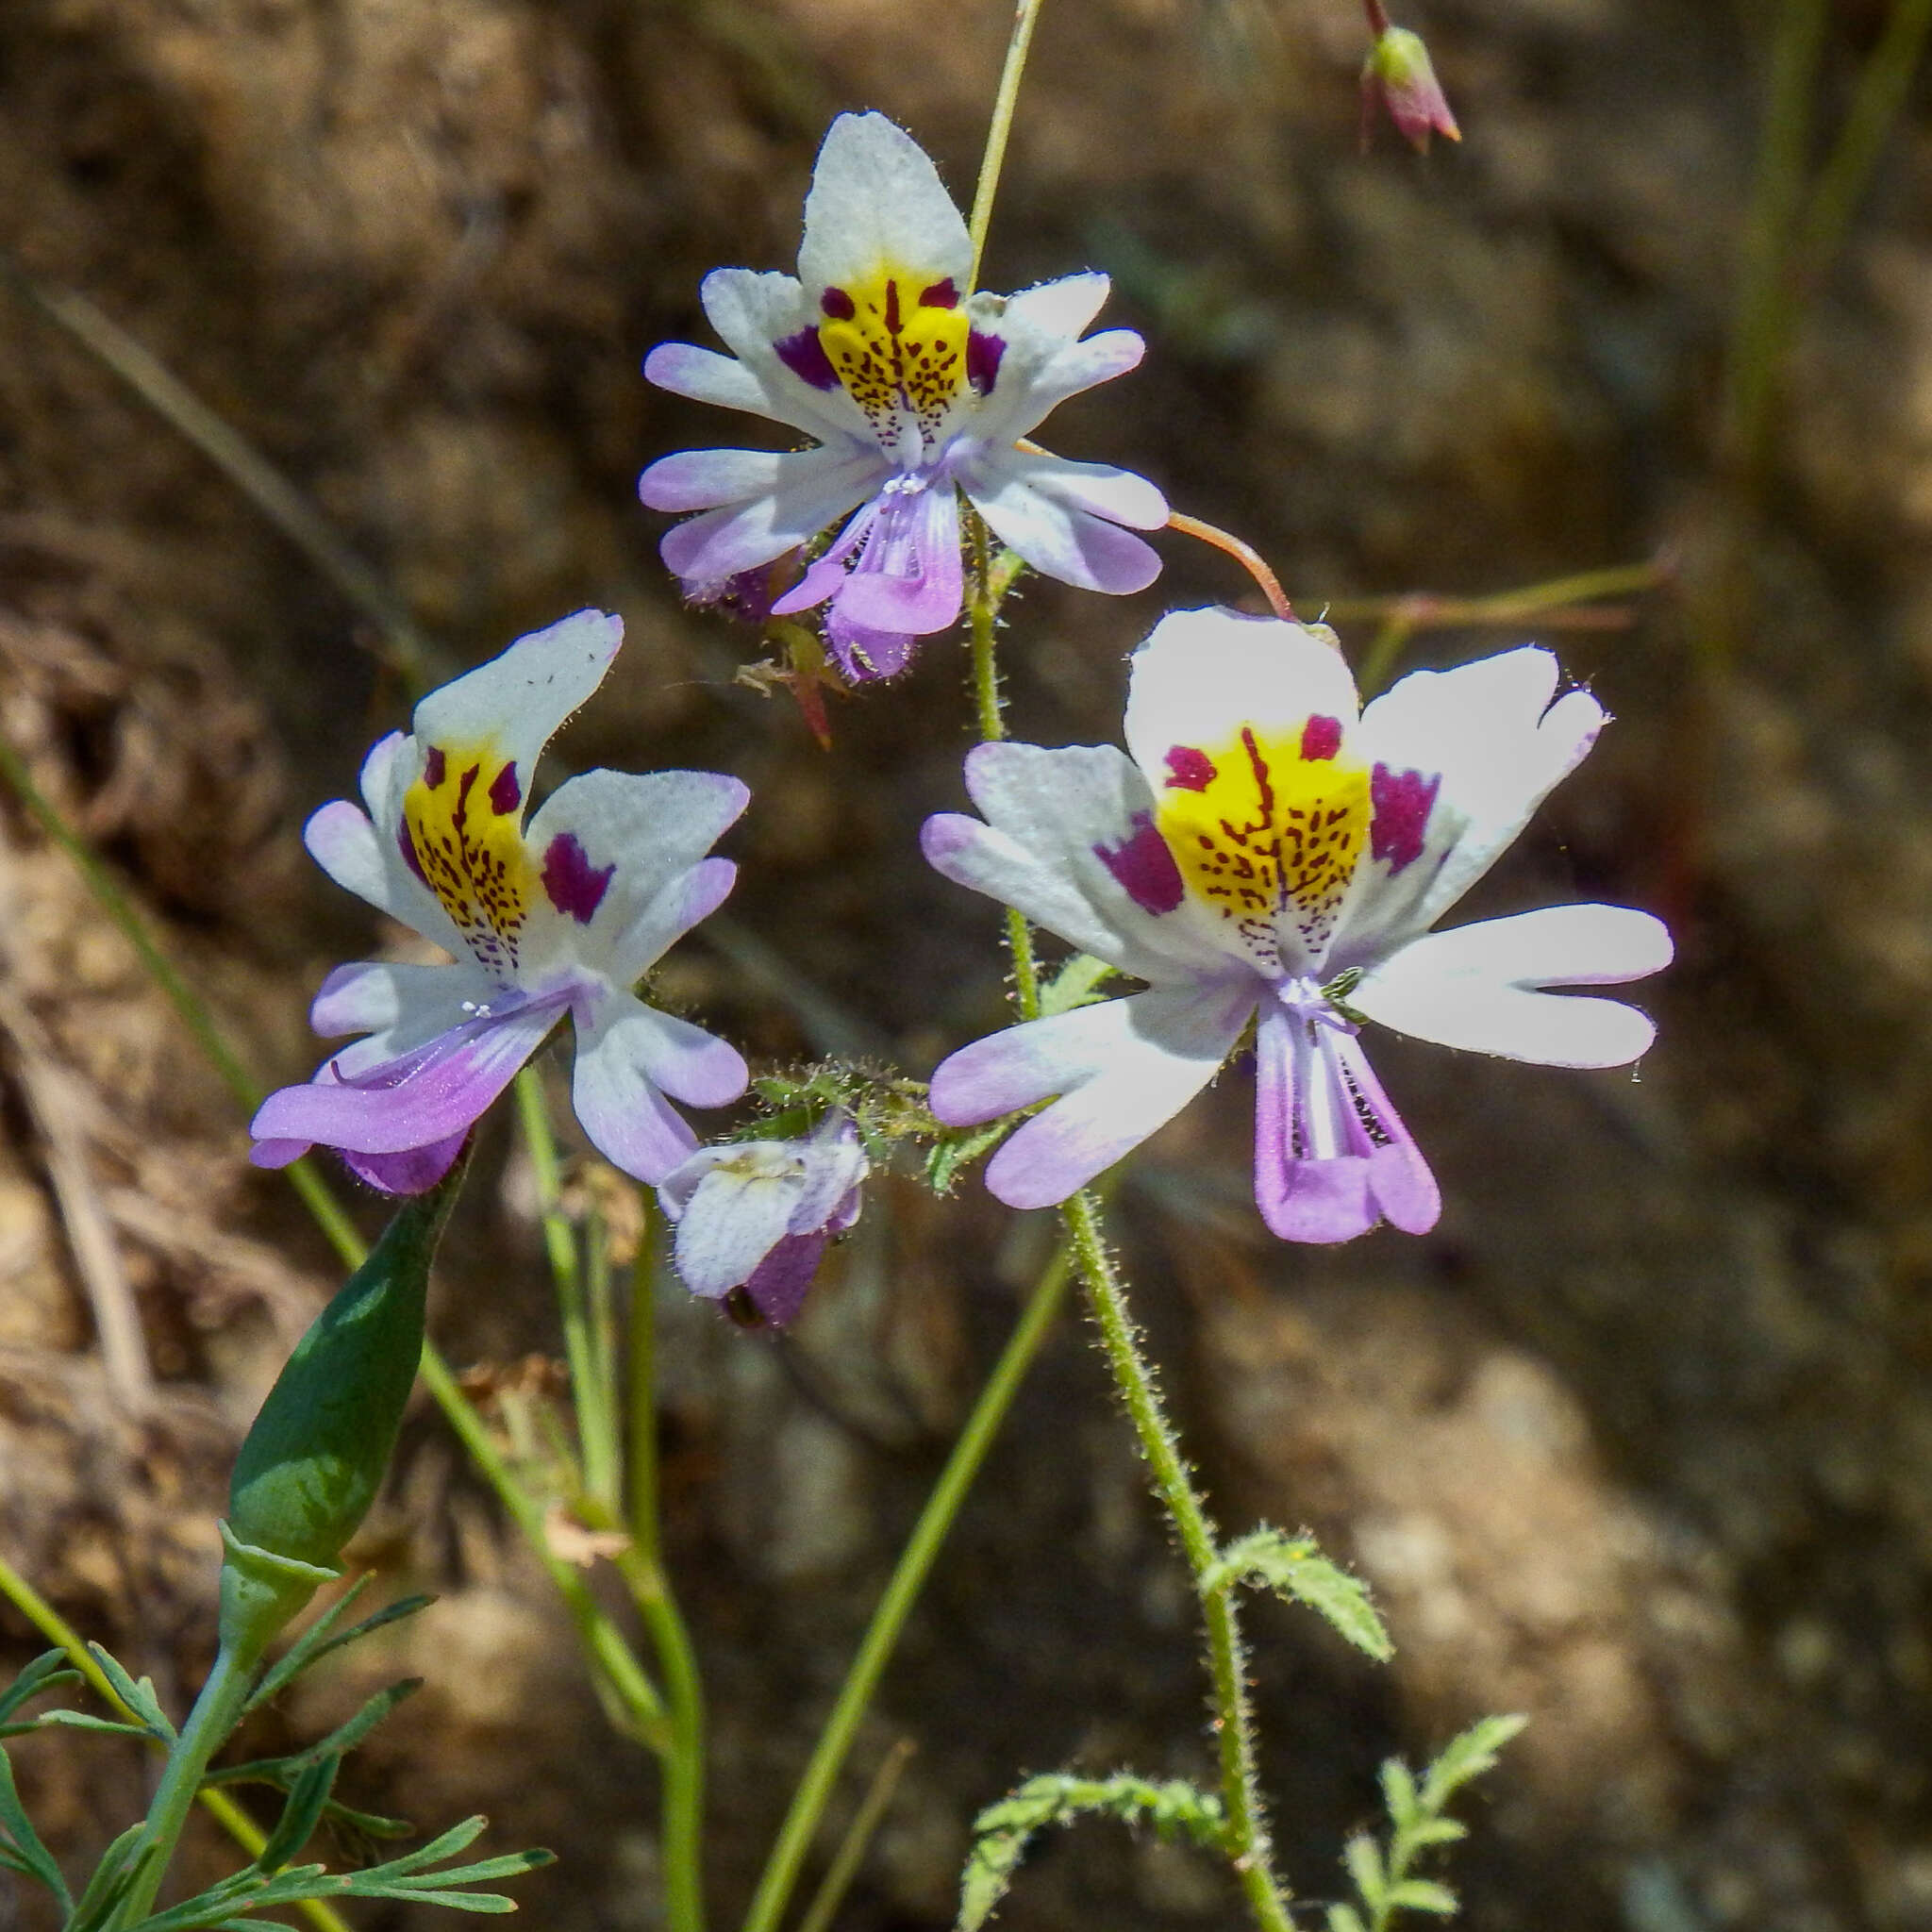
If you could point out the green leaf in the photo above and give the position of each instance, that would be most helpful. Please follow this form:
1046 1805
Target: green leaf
1345 1919
1075 984
1466 1756
1295 1567
300 1815
1363 1858
1399 1794
139 1697
337 1744
28 1855
1002 1831
111 1878
1434 1831
87 1721
1421 1895
50 1667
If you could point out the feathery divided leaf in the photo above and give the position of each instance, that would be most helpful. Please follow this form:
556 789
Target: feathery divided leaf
1076 984
50 1667
319 1639
1295 1567
1002 1831
21 1849
139 1697
1383 1882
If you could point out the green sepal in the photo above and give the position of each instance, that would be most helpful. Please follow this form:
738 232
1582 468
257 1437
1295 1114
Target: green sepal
261 1590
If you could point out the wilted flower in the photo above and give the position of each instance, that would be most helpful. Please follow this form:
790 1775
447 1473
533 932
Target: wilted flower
1263 848
562 916
1400 77
755 1215
915 388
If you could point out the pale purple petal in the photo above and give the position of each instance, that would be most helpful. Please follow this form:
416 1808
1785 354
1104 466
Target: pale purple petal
1056 539
778 1285
863 656
380 997
1058 825
909 575
740 1212
629 1057
1039 371
752 313
815 487
420 1097
703 478
1125 1067
1332 1158
413 1172
827 571
702 375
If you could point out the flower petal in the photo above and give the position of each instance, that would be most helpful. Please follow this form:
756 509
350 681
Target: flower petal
738 1214
414 1172
1040 370
814 488
908 576
1057 540
1064 308
752 313
1202 675
629 1056
1476 987
778 1285
619 855
702 375
703 478
1064 841
407 1004
1123 1068
1499 746
517 701
426 1095
877 205
1332 1158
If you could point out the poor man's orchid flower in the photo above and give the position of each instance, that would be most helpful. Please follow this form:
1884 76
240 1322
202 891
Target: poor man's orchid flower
755 1215
1264 848
914 390
559 916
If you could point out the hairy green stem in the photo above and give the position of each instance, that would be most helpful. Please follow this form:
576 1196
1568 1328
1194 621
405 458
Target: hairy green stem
909 1577
1246 1835
1026 17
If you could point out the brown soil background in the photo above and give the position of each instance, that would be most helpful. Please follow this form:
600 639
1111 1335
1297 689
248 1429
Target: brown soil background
1638 1441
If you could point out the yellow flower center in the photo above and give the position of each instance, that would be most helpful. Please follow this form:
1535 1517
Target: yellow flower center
897 345
1265 826
463 822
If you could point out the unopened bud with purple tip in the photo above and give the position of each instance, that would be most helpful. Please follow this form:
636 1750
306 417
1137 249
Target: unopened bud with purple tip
1399 76
753 1217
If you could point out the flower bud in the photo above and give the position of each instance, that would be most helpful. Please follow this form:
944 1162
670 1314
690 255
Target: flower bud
318 1451
1400 75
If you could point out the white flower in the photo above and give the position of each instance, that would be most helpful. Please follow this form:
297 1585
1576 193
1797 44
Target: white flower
564 915
914 388
1266 850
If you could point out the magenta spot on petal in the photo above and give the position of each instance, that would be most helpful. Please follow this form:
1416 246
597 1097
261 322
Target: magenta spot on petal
1402 802
575 885
1145 867
434 765
1321 739
837 305
1187 769
406 846
941 295
805 356
983 354
506 795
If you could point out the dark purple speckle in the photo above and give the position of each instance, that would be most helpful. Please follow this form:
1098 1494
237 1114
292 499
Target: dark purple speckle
805 356
575 885
941 295
1189 769
1321 739
983 353
837 305
506 793
406 846
434 766
1402 802
1145 867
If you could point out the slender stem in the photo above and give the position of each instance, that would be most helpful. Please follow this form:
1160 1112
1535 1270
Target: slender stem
1246 1836
1244 553
590 1394
1025 16
1883 84
218 1805
641 1567
865 1822
1378 18
909 1576
215 1714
